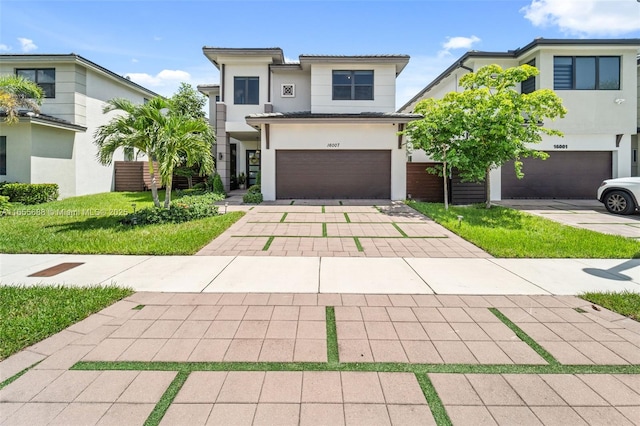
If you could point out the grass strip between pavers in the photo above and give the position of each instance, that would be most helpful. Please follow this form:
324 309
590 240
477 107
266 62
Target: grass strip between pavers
358 244
323 209
17 375
404 234
324 230
333 355
268 243
525 337
433 400
284 217
167 398
380 367
334 236
346 217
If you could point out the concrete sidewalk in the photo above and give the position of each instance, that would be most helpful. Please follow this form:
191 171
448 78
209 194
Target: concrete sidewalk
238 274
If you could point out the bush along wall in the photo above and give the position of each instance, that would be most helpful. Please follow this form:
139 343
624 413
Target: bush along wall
253 195
30 193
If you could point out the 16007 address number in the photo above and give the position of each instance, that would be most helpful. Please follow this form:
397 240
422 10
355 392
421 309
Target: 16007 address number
561 146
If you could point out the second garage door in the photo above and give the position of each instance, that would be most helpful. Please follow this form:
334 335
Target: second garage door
333 174
571 174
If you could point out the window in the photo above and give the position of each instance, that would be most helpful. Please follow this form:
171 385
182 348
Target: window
3 155
44 77
529 85
352 85
246 90
586 73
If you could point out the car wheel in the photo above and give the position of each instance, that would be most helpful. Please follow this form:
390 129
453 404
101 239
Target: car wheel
619 202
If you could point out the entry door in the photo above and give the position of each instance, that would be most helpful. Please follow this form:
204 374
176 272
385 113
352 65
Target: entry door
253 166
233 166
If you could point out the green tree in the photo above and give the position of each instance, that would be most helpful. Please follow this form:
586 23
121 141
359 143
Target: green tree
134 127
487 124
17 92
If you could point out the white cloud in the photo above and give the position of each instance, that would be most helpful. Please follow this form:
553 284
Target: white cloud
453 43
586 17
27 45
4 48
166 82
460 42
134 60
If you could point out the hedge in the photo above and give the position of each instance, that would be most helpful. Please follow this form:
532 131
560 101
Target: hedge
31 193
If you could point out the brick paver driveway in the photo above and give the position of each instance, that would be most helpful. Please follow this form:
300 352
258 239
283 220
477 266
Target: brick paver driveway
389 230
331 359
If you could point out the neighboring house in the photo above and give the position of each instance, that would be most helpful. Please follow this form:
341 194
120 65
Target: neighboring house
598 82
323 127
56 146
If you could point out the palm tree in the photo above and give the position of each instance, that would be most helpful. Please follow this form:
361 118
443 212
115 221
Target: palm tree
162 134
17 92
134 128
184 141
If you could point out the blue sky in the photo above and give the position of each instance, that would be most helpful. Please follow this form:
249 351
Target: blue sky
159 43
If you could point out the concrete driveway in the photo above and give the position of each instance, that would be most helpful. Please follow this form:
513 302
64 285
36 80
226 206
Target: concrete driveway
346 228
587 214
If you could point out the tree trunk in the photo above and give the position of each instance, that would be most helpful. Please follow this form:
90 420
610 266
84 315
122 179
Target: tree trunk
446 186
190 181
488 183
167 193
154 187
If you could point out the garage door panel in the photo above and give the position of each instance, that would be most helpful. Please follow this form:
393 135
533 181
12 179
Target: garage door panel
571 174
333 174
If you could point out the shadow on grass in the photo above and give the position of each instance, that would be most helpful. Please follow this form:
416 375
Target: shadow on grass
475 215
93 223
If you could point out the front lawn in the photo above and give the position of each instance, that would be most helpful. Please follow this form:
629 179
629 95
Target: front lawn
509 233
90 224
31 314
625 303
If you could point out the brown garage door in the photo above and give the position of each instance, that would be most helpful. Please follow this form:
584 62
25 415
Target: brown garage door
575 174
422 185
333 174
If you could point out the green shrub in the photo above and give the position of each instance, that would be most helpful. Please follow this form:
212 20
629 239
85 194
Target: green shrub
259 178
31 193
184 209
252 197
4 205
254 189
218 187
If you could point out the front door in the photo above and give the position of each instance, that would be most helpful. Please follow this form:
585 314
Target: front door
233 166
253 166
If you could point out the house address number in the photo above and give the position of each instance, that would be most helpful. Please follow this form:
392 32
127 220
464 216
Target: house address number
561 146
333 145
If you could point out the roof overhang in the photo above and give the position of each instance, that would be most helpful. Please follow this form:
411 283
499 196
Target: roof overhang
256 120
400 61
213 53
47 121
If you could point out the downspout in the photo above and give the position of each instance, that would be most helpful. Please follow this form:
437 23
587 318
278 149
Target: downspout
463 66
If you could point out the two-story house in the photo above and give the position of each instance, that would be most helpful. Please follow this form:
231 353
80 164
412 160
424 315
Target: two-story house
323 127
598 82
56 146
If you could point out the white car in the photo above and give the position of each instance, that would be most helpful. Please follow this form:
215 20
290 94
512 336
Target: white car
621 195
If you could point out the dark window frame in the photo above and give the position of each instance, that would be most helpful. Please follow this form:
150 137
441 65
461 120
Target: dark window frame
48 88
529 85
574 73
248 98
354 94
3 155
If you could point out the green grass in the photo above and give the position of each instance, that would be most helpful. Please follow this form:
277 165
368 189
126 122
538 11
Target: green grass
90 225
31 314
509 233
625 303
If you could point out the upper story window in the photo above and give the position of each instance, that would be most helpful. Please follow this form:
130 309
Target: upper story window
353 85
586 73
246 90
43 77
529 85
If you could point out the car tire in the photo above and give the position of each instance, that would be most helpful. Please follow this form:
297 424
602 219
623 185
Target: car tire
619 202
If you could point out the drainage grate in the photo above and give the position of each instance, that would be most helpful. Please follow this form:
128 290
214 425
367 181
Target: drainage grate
55 270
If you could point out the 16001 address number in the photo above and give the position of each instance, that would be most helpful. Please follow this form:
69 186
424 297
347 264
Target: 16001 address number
561 146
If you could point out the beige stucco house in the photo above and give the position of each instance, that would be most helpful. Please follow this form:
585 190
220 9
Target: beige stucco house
56 146
322 127
598 82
